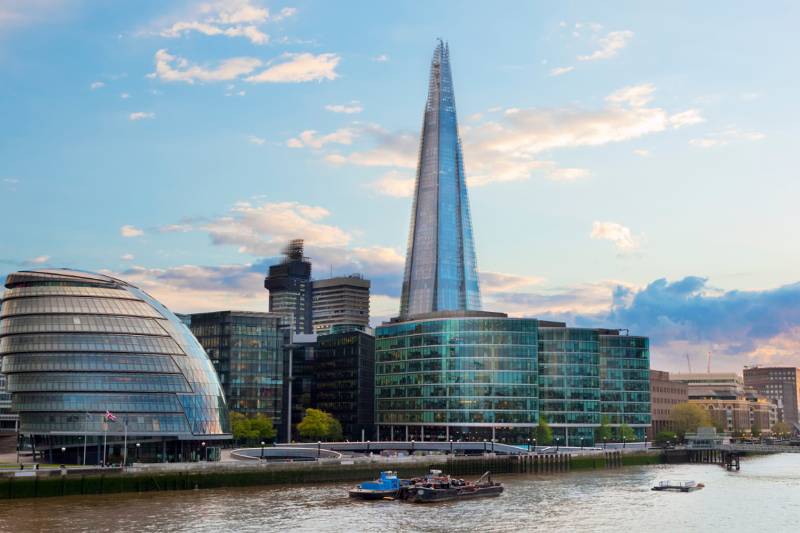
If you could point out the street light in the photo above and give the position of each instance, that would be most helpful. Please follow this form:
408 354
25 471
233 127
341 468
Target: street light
605 439
623 441
205 450
484 446
412 446
451 446
557 440
319 448
581 443
534 445
138 445
262 450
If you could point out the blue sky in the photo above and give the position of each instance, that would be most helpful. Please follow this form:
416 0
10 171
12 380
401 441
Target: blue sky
629 166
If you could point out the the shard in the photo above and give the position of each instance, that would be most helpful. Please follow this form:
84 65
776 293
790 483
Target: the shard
441 270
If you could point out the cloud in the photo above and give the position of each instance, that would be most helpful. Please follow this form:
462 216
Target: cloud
141 115
176 228
127 257
230 18
621 236
389 149
285 13
394 184
382 58
124 96
298 68
568 174
493 282
641 152
686 118
609 46
558 71
353 107
256 140
96 85
40 260
726 137
311 139
172 68
130 231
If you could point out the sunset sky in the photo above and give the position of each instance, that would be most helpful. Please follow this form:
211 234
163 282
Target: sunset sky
631 165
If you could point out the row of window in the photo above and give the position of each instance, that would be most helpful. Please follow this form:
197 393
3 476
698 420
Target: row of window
96 423
433 404
50 290
78 382
76 305
80 323
458 326
54 362
459 339
116 403
488 391
80 342
444 352
488 364
458 417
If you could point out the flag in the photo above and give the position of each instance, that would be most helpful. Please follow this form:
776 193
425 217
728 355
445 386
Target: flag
110 416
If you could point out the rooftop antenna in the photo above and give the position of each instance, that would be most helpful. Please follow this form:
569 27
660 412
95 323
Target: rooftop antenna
708 363
689 362
331 270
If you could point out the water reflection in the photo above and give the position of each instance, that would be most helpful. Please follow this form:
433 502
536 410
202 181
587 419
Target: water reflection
765 494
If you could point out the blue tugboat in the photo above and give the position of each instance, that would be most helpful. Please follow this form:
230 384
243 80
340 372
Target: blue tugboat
387 486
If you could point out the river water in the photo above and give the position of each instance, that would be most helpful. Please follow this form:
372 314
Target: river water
763 496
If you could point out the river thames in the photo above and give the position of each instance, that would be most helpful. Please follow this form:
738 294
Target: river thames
764 496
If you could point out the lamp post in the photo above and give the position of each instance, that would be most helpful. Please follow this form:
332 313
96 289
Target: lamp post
367 447
605 439
412 446
493 441
319 448
557 441
138 445
534 444
262 450
451 446
484 446
623 441
581 443
529 445
63 451
205 450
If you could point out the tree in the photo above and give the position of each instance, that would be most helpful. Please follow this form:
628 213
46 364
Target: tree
755 431
603 432
687 417
663 437
319 425
251 429
544 435
261 425
781 428
627 433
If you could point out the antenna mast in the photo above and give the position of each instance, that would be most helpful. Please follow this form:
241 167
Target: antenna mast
689 362
708 363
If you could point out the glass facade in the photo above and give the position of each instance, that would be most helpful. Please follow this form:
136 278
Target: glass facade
344 381
75 345
247 351
441 269
477 376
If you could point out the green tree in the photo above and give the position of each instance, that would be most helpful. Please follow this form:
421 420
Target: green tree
544 435
251 429
604 431
663 437
262 428
319 425
687 417
781 428
626 432
755 431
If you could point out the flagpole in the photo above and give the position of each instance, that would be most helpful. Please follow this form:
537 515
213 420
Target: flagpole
105 437
125 449
85 432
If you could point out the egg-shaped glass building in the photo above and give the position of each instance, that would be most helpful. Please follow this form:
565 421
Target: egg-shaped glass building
100 371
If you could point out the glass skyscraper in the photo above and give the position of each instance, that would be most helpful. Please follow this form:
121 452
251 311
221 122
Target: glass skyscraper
441 271
444 369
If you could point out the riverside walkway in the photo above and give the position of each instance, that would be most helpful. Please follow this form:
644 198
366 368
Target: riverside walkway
414 446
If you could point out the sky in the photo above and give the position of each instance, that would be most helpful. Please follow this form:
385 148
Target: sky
630 165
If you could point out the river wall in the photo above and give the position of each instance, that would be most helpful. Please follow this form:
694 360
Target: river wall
49 484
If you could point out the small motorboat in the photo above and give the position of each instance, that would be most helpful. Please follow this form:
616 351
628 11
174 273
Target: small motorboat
436 487
387 486
678 486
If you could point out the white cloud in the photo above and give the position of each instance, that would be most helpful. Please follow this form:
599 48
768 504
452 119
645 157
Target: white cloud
311 139
40 260
641 152
492 282
285 13
621 236
299 68
382 58
172 68
353 107
11 181
97 85
130 231
124 96
231 18
256 140
394 184
726 137
127 257
141 115
686 118
176 228
558 71
609 45
568 174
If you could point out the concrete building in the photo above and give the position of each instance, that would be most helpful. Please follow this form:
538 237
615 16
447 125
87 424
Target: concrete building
289 286
782 386
246 349
340 304
664 395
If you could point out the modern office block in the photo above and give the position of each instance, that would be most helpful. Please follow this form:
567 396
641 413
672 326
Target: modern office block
340 304
781 384
92 359
247 351
289 285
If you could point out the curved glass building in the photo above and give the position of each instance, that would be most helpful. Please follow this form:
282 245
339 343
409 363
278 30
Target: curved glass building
95 364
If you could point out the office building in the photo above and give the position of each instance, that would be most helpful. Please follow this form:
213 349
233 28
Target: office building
344 381
289 286
664 395
780 384
77 346
340 304
445 369
246 349
441 270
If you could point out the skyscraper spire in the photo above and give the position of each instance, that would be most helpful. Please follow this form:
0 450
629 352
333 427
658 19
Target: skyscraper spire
441 269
